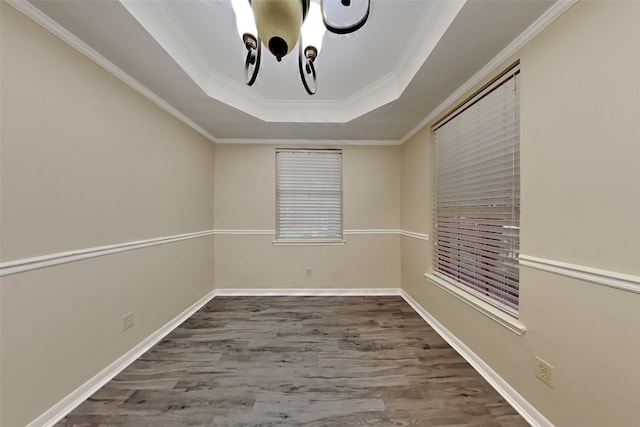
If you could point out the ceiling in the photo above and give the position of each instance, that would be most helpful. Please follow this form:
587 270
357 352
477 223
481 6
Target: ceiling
374 86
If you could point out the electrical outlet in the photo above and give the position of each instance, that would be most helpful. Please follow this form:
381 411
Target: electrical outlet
544 372
309 272
127 321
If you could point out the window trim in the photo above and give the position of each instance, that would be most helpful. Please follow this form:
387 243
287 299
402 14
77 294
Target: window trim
504 315
307 242
320 241
491 311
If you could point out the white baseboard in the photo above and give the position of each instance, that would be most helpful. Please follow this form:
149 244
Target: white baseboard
325 292
524 408
79 395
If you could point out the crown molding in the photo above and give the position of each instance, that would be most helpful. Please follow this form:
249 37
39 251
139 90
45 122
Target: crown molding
161 23
310 142
553 13
234 94
63 34
377 94
380 92
436 19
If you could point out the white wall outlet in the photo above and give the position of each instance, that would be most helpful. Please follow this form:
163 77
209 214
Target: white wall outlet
544 372
127 321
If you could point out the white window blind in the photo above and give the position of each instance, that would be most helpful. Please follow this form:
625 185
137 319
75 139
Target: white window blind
477 218
308 195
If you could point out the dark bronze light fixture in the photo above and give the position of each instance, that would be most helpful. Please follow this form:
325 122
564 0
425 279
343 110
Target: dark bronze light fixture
280 24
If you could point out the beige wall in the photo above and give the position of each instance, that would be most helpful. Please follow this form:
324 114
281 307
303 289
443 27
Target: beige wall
593 128
580 128
86 162
416 176
245 200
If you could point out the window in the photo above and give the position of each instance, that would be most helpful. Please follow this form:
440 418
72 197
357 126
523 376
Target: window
309 195
477 207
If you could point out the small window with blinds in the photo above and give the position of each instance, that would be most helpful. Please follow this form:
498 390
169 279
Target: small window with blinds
477 206
308 195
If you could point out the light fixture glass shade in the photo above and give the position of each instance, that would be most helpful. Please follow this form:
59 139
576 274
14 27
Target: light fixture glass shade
278 23
313 29
244 18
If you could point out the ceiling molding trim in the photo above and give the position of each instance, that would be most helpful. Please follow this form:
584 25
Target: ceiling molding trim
382 91
306 112
63 34
554 12
437 18
309 142
377 94
160 22
230 92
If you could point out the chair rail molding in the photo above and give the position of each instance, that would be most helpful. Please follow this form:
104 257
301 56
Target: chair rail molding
612 279
346 232
27 264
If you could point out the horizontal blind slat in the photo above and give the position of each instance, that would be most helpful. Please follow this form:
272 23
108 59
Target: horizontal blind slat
308 194
477 203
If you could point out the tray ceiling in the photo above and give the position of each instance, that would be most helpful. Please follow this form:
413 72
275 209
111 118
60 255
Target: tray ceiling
374 86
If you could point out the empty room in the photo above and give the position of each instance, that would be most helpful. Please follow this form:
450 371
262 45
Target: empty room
320 213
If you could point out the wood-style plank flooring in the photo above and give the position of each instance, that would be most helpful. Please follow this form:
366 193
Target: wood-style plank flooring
299 361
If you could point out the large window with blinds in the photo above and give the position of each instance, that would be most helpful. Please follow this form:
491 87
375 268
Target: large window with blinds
308 195
477 206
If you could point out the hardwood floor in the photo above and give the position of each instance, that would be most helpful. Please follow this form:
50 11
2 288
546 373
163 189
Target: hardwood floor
299 361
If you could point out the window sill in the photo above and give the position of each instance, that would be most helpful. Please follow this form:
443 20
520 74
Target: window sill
495 314
309 242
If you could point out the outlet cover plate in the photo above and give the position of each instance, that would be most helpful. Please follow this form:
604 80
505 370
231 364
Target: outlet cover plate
544 372
127 321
